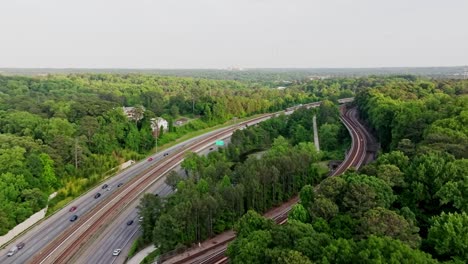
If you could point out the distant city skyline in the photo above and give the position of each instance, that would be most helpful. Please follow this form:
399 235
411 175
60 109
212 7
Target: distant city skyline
219 34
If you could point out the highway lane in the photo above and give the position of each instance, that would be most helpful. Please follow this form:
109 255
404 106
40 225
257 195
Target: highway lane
44 232
118 235
36 238
113 237
72 239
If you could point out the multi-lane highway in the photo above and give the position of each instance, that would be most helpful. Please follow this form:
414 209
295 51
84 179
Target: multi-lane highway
118 234
43 233
355 157
54 239
36 238
64 247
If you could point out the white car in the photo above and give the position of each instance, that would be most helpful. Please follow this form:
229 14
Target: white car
116 252
12 251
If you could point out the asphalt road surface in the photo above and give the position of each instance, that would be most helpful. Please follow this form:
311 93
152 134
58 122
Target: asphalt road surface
41 234
46 231
118 234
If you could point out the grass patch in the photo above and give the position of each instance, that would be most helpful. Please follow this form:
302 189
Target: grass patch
151 257
53 207
135 246
322 167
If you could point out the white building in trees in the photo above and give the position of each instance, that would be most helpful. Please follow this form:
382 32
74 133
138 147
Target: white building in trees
157 123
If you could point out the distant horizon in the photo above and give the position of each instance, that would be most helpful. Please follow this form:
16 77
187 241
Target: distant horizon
229 68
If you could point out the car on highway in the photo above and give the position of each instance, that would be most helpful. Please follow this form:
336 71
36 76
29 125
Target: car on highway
150 159
105 186
97 195
120 184
73 208
165 154
116 252
109 188
20 245
141 219
73 218
130 222
12 251
211 149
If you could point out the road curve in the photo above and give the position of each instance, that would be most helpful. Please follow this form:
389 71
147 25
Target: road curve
354 158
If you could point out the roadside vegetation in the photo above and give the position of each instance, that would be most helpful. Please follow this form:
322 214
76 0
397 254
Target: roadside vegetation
216 190
66 133
409 206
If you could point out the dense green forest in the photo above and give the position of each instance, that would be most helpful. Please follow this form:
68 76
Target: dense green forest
66 132
409 206
263 166
271 77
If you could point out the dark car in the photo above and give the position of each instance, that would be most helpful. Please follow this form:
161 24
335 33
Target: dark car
130 222
97 195
211 148
120 184
165 154
105 186
73 208
20 245
73 218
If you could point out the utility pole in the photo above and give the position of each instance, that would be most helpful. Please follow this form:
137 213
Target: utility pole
76 153
157 135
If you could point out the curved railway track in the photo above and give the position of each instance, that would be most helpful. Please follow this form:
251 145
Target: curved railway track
71 240
354 158
357 152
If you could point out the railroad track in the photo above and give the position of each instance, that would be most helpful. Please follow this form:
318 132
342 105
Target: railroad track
76 236
354 158
356 154
218 254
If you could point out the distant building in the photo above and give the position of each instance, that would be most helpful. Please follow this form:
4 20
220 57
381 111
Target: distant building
157 123
134 113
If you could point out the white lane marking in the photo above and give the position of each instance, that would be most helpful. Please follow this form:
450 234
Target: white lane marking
114 259
138 194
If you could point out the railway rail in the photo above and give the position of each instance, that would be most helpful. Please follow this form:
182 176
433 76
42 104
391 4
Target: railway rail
74 237
71 240
354 158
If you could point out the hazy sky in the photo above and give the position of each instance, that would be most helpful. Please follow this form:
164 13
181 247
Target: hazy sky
223 33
